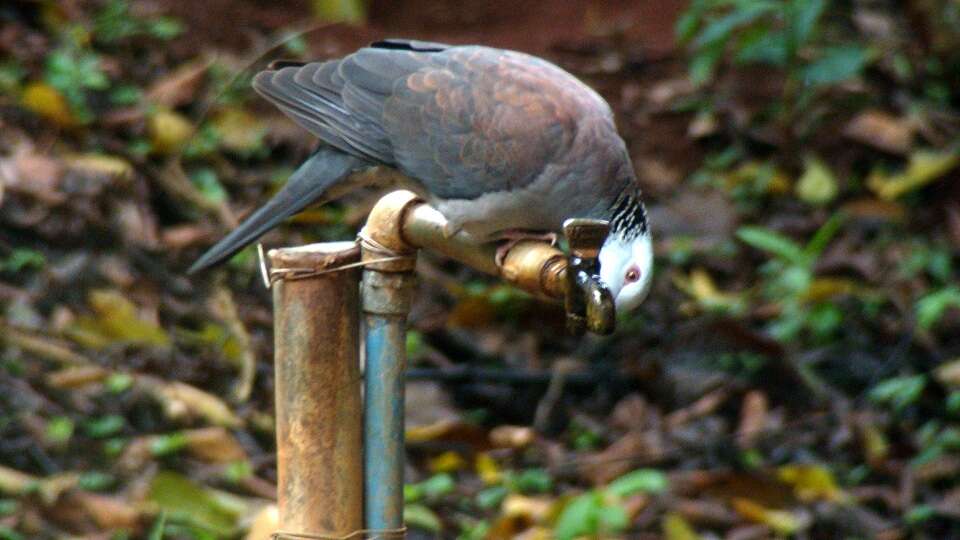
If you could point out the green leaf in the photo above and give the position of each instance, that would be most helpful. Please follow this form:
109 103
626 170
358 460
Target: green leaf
580 516
491 497
761 44
720 29
704 63
117 383
105 426
126 94
803 19
639 481
531 481
185 500
774 243
931 307
164 445
59 430
21 259
156 532
206 181
953 403
349 11
165 28
421 517
6 533
824 234
437 486
899 392
837 64
919 514
96 481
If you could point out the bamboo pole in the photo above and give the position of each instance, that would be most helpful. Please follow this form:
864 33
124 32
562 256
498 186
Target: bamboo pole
318 402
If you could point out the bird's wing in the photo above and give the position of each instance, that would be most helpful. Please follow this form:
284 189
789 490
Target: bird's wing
463 120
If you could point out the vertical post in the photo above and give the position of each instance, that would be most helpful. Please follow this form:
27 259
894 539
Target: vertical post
386 303
386 294
319 464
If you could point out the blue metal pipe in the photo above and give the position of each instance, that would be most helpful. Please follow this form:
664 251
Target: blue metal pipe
386 303
383 421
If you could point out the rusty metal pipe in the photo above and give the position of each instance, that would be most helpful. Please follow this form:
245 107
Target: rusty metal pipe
319 466
535 267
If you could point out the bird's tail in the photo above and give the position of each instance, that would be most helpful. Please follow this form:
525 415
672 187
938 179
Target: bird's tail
307 185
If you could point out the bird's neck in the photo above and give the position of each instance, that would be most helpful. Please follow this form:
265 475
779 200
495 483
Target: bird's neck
628 217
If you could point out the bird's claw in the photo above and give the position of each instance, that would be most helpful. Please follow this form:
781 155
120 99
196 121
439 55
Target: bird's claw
512 238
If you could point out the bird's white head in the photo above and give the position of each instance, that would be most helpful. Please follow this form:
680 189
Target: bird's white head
626 268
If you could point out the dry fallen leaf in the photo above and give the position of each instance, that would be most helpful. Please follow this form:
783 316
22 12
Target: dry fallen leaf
169 131
753 418
214 445
511 436
924 167
811 482
783 522
882 131
108 512
948 374
48 102
179 86
182 401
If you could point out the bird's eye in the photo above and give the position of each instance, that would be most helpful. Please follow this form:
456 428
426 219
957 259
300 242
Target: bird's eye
633 275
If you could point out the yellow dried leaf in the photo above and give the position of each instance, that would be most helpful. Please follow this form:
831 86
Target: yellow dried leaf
169 131
100 165
826 288
487 469
781 521
533 509
875 444
811 482
778 182
48 102
675 527
116 320
447 462
924 167
536 533
214 445
239 130
77 376
817 185
14 482
182 400
430 432
700 286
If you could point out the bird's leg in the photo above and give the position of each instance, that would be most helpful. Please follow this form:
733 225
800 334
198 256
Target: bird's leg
512 237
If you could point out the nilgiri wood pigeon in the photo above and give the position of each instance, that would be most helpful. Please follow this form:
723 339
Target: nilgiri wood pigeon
501 142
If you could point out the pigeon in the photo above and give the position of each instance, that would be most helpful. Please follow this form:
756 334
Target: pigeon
502 143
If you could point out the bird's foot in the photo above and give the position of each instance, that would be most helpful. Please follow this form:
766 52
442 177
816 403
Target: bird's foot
512 237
